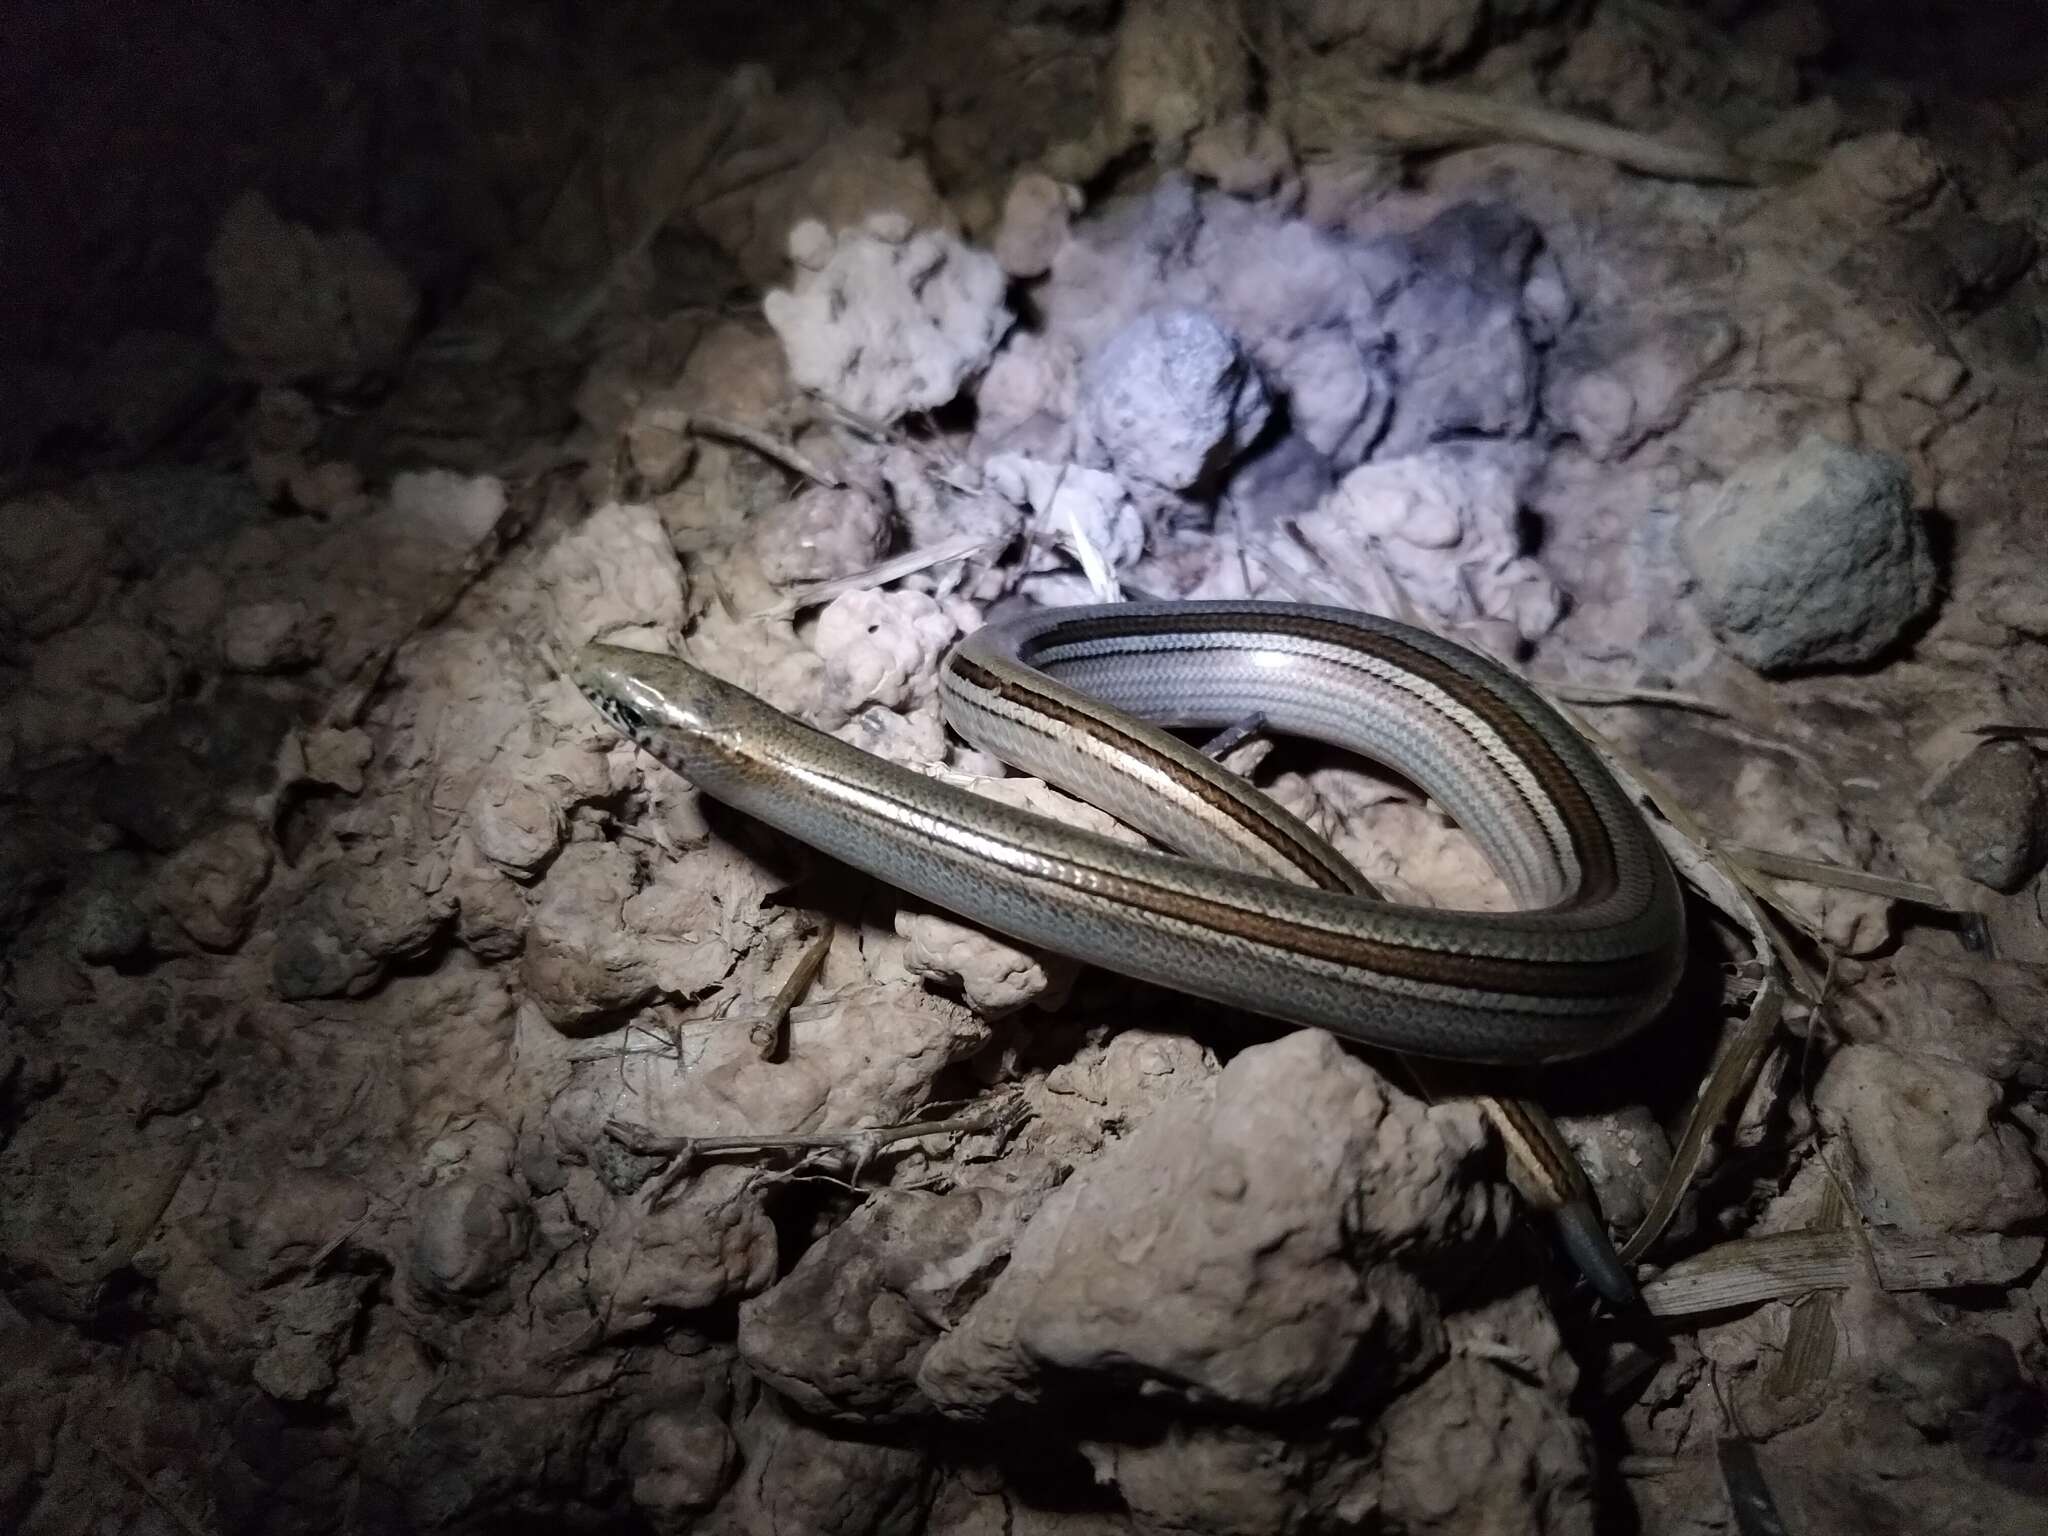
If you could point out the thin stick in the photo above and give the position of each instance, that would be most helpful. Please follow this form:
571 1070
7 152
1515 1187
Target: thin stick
770 1035
646 1142
684 1151
763 444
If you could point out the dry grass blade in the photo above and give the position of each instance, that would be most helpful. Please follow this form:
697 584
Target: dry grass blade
1751 1270
1810 1346
1733 1070
1721 882
1338 115
1576 693
1750 1499
959 547
1787 866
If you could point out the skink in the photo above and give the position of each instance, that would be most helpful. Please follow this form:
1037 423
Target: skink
1258 912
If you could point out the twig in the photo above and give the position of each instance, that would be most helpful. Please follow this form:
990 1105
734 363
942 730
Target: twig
176 1514
2011 732
770 1034
865 1143
959 547
647 1142
763 444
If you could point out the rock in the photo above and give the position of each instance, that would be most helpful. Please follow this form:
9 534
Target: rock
349 924
1234 1480
616 572
1798 31
1224 1254
490 918
1178 65
1447 524
110 926
1933 1151
882 647
1965 1386
844 1334
1036 216
1812 559
1476 1448
210 887
1626 1153
710 1241
1880 177
1385 38
1616 385
1245 154
821 534
658 442
1979 1013
680 1460
123 661
1172 398
1338 397
160 513
516 824
295 304
1464 355
993 977
578 964
177 771
884 321
271 637
310 1326
336 758
467 1234
444 507
797 1478
186 602
52 563
1991 810
1077 505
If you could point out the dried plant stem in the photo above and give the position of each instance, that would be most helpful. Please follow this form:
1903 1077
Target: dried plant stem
768 447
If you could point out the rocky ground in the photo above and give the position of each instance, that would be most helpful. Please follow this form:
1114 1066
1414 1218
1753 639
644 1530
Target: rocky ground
419 1111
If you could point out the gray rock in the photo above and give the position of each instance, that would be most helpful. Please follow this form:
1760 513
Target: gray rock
1464 350
1813 559
1992 811
1172 398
